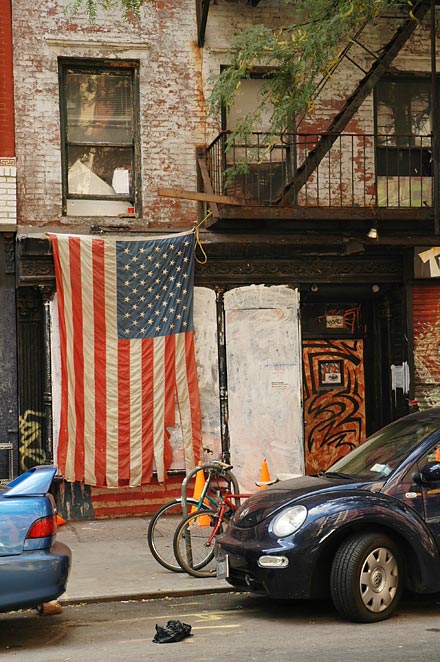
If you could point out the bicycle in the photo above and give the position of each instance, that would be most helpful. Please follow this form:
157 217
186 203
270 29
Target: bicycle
163 524
194 539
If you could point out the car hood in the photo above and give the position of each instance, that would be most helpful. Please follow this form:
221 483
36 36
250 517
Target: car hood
264 503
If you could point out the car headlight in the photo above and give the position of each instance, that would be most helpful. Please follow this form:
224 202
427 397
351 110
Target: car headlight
289 521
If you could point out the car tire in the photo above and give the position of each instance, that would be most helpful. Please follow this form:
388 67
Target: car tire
366 578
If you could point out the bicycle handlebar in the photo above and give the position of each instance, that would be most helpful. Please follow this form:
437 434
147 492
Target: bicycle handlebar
223 465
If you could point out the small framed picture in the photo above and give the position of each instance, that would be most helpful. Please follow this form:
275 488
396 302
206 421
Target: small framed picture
331 374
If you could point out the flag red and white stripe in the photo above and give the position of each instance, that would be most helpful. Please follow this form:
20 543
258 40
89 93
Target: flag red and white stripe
127 356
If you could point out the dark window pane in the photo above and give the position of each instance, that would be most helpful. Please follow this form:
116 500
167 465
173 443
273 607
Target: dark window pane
394 162
403 109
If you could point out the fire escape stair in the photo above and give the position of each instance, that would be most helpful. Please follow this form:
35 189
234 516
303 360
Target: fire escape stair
379 67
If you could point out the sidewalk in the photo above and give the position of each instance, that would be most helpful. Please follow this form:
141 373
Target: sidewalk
111 561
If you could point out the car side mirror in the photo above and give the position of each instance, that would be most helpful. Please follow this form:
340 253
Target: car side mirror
416 477
430 472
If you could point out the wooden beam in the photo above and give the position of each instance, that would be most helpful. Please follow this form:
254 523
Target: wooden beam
194 195
413 215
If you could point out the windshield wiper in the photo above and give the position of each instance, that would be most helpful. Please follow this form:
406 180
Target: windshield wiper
337 474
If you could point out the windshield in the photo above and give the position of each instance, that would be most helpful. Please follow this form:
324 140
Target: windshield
385 450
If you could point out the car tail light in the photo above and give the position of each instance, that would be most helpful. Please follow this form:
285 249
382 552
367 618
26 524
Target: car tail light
43 528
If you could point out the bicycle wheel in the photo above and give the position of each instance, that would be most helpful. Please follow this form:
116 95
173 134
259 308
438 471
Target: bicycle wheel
193 547
161 530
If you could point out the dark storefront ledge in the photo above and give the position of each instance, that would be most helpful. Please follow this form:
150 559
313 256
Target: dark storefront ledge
261 257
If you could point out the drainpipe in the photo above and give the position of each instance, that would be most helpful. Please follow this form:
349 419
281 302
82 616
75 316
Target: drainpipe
222 375
435 125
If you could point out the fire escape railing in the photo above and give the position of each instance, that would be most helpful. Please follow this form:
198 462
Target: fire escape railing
359 170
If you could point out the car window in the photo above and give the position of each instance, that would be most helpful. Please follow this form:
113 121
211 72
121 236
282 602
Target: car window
385 450
433 455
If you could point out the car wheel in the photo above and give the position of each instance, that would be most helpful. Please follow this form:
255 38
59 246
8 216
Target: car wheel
366 578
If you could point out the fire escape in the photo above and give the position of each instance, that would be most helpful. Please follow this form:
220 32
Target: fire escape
326 176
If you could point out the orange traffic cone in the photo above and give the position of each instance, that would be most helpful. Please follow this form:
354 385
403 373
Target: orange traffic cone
60 520
437 454
198 490
264 475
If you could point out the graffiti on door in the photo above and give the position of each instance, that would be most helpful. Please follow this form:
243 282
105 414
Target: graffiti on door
31 442
334 400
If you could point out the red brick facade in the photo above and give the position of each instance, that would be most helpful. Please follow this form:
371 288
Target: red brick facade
7 149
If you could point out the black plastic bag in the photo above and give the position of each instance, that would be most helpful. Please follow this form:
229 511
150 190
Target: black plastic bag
173 631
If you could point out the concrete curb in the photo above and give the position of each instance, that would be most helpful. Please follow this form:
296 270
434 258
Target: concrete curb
145 595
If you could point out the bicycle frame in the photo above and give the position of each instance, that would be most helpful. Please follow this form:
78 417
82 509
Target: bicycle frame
205 496
226 504
219 468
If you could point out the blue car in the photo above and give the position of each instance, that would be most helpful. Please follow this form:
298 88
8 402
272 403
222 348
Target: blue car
33 567
361 532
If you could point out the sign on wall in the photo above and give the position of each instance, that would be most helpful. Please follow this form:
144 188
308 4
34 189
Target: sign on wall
427 262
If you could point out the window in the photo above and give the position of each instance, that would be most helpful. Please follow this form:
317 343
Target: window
403 154
99 138
268 158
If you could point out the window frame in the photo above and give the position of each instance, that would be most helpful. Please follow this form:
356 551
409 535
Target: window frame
265 174
96 66
403 167
403 79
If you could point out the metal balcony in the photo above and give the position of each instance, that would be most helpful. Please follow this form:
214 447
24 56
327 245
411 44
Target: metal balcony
362 175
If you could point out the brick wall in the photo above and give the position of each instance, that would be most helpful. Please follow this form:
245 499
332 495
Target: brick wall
173 88
8 201
8 195
6 82
174 85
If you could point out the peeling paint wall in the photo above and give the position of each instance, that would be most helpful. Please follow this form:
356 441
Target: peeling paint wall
205 329
264 382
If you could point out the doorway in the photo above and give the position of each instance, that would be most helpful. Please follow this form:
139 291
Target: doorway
354 347
334 400
334 385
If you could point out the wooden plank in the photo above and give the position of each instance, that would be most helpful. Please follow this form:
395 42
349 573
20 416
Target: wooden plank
195 195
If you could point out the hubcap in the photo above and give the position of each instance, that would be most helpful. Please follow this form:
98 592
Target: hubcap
379 579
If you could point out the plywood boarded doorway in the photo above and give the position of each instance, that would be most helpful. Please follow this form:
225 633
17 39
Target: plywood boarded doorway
334 400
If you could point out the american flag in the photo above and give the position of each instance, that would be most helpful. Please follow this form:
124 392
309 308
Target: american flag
127 356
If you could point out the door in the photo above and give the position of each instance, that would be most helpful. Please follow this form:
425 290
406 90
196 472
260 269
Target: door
8 363
264 382
334 384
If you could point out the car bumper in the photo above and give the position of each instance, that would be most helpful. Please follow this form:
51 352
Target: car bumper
34 577
245 573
